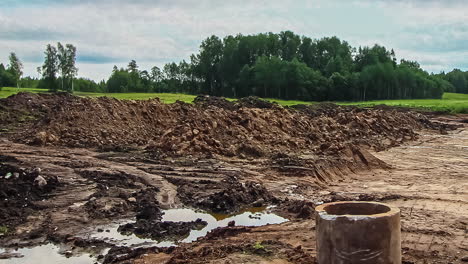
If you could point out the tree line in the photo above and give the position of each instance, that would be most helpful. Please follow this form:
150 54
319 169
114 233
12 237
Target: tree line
285 66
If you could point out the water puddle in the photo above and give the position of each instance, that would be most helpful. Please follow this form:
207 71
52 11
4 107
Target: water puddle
250 217
45 254
53 254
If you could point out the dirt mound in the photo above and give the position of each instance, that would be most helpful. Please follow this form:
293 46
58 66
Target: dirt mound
23 107
297 209
207 101
257 129
328 109
256 102
226 196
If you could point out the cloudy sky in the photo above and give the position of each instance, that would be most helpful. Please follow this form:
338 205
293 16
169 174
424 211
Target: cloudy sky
154 32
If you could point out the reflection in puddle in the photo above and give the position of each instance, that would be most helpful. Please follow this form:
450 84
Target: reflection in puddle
45 254
251 217
52 254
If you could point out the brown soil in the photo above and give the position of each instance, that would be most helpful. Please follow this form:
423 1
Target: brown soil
105 159
427 181
181 129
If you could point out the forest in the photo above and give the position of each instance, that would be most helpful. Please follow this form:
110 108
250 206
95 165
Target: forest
284 66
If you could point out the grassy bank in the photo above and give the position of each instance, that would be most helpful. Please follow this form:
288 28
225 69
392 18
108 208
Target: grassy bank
451 102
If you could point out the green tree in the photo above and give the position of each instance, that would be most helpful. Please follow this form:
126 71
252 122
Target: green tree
290 66
339 89
6 78
290 43
156 78
459 80
207 65
62 58
156 74
66 57
50 68
132 66
171 76
15 68
71 69
118 82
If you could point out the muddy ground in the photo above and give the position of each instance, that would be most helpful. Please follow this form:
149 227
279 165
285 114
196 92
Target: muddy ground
69 165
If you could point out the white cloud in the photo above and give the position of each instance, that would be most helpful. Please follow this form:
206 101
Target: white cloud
154 32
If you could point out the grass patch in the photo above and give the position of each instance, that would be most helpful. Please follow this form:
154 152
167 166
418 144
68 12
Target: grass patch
7 91
451 102
165 97
3 230
258 245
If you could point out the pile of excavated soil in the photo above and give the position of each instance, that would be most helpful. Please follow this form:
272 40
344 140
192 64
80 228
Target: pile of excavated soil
250 129
228 195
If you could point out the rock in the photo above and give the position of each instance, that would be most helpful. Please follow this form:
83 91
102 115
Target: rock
7 255
132 199
41 138
40 181
232 223
464 259
258 203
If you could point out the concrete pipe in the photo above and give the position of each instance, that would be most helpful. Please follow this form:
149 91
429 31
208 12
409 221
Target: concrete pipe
358 232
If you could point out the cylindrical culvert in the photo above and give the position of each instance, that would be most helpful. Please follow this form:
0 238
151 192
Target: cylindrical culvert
358 233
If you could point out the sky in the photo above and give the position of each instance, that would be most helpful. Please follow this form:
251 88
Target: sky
155 32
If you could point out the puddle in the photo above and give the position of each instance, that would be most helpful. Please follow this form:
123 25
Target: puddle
45 254
53 254
251 217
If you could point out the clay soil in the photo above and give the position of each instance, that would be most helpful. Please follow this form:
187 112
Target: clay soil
69 164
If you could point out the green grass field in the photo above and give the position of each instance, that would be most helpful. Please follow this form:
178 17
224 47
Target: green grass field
167 98
451 102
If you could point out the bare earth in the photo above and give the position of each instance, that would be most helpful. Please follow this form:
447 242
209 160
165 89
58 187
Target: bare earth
430 177
147 157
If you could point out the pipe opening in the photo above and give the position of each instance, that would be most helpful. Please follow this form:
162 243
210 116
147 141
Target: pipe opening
356 209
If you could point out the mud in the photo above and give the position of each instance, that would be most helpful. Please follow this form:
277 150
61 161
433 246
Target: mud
148 221
247 252
21 187
221 157
227 196
159 231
